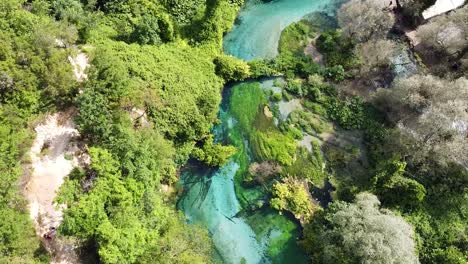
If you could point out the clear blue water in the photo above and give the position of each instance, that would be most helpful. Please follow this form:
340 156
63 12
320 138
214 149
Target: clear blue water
260 25
209 195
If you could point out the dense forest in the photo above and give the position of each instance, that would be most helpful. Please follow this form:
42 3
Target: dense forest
383 99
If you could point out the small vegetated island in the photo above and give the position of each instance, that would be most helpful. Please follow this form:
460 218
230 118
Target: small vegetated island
224 131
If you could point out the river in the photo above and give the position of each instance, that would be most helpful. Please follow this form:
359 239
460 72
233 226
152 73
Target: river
212 196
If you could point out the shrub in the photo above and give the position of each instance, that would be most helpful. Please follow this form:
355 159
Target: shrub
276 97
213 154
349 113
292 195
231 68
338 49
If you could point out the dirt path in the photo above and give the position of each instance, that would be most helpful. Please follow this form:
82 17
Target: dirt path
54 154
312 51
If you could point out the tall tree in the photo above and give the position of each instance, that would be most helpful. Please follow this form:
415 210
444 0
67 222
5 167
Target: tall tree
433 112
365 19
360 232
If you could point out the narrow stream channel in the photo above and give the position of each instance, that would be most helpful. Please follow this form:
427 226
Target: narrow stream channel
210 197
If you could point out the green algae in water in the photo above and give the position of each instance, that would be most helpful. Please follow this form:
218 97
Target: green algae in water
246 100
260 25
279 234
215 197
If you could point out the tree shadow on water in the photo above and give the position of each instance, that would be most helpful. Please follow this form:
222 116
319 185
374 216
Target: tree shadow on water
196 182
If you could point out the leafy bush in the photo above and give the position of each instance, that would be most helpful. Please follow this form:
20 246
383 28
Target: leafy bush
262 68
394 188
315 108
175 83
349 113
286 96
153 30
213 154
276 97
294 86
184 11
335 73
337 48
94 119
292 195
231 68
128 220
294 37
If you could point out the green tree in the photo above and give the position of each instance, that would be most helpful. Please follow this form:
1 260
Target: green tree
359 232
394 188
213 154
94 119
147 31
293 195
231 68
113 214
365 19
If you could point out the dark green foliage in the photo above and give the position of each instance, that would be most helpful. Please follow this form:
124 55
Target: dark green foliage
294 86
394 188
294 38
69 10
450 255
144 154
153 30
94 119
349 113
184 11
262 68
337 48
300 65
335 73
219 18
213 154
147 31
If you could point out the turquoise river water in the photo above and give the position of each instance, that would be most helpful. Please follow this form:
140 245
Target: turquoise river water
209 195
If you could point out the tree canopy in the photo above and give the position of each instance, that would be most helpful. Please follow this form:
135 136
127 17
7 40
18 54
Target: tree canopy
360 232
